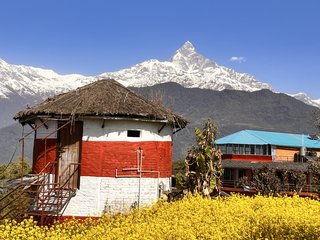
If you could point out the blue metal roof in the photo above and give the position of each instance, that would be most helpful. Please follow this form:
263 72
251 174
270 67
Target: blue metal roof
272 138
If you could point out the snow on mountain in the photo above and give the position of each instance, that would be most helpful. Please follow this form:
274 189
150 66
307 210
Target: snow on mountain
26 80
317 101
304 98
188 68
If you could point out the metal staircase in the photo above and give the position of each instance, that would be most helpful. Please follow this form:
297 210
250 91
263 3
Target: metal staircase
43 196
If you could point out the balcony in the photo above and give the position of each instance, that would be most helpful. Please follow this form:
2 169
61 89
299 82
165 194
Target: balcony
289 189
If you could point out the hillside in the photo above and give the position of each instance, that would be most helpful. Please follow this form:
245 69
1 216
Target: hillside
233 111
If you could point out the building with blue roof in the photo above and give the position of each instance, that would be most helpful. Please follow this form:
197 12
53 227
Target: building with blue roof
268 146
246 150
272 138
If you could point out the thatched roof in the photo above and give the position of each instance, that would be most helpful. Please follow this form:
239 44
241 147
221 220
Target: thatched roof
105 98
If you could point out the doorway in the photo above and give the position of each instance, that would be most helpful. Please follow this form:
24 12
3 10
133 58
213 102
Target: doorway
69 154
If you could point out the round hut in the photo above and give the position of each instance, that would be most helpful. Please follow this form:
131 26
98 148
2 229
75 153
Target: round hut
100 148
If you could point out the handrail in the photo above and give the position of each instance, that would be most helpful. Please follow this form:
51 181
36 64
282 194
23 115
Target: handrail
67 123
307 188
9 194
44 203
40 125
45 182
74 171
283 158
67 181
49 197
9 204
6 205
11 191
47 165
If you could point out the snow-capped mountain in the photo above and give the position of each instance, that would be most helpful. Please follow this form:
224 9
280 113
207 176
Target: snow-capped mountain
24 85
25 80
186 67
317 101
189 69
304 98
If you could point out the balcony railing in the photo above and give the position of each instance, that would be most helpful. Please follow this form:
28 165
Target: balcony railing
265 158
283 159
308 188
297 159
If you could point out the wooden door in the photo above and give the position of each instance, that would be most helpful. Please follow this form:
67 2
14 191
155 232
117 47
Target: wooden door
69 154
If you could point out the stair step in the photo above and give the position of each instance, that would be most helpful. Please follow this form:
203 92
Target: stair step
53 196
39 213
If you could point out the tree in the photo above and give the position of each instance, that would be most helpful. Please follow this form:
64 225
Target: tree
266 181
203 162
314 169
15 169
297 178
272 181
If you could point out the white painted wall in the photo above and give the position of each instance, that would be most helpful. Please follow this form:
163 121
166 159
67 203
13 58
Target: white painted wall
43 132
116 130
104 194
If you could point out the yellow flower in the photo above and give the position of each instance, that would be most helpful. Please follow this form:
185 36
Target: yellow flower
194 217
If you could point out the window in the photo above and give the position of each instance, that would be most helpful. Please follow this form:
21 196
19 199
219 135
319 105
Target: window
228 174
269 150
235 149
241 173
229 149
258 150
264 150
133 133
241 149
252 149
223 148
247 149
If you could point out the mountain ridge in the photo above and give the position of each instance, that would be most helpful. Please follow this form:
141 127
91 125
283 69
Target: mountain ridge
22 86
231 110
188 68
306 99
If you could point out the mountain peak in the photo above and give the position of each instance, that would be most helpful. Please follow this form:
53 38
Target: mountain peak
187 46
186 50
3 62
188 59
188 68
303 97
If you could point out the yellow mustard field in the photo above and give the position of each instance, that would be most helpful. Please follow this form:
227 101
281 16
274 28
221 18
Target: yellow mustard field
236 217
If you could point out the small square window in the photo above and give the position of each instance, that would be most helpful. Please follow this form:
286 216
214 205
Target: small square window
133 133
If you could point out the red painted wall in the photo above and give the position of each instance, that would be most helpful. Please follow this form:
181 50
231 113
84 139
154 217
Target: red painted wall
249 158
101 159
40 159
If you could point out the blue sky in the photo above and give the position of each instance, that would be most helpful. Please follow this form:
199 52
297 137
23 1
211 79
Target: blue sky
277 41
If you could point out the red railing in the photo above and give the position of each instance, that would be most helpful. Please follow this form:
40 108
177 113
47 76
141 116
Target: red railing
12 202
53 195
47 196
